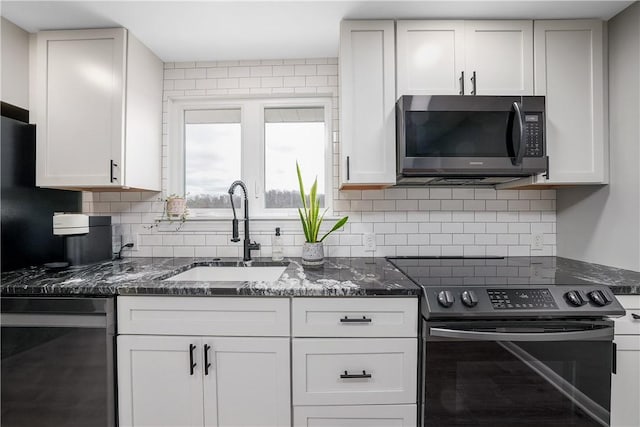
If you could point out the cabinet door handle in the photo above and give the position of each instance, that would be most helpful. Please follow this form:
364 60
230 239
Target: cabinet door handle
461 83
113 176
635 316
364 319
474 81
207 365
347 168
192 364
347 375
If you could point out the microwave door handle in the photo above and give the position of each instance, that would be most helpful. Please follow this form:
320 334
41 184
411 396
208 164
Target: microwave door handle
517 160
591 334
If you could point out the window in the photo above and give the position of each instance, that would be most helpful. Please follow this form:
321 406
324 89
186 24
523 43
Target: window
215 142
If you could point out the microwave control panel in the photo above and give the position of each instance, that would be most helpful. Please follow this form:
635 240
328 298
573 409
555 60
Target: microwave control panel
533 135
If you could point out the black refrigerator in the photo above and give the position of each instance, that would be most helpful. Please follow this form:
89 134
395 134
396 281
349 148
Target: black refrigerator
27 211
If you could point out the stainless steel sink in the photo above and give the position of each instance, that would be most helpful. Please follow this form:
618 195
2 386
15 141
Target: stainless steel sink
230 273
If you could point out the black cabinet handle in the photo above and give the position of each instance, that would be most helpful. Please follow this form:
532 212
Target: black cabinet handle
364 319
473 79
347 375
113 165
347 168
635 316
462 83
207 365
192 364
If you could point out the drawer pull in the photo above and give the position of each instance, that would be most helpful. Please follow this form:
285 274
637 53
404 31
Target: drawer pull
364 319
192 364
635 316
347 375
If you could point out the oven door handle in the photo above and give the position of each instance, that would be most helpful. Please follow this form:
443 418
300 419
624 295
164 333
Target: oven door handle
591 334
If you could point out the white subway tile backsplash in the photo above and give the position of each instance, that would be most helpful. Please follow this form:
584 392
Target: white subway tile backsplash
406 221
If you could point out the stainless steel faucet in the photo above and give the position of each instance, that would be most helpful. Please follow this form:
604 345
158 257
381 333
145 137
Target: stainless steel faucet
248 245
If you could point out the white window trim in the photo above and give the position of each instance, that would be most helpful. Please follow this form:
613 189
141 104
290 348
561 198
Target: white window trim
252 139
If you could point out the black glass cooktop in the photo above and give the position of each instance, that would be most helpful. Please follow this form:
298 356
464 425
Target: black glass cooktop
470 271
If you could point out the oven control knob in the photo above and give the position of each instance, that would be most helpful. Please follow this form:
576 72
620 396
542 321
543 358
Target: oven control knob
445 298
574 298
469 298
599 298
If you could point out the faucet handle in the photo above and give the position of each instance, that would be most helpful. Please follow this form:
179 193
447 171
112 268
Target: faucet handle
254 246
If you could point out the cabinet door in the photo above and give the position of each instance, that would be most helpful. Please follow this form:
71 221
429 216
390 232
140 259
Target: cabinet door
79 107
367 104
569 72
625 383
247 383
430 58
500 53
155 384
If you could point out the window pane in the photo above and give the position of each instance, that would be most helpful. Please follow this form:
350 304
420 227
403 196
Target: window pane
212 156
293 134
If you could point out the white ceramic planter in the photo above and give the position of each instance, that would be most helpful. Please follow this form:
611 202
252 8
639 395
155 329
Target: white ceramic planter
176 208
313 254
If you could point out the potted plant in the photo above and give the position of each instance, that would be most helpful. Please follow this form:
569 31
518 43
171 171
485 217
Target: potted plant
176 207
312 250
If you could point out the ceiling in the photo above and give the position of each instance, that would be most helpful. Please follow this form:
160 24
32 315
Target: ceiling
230 30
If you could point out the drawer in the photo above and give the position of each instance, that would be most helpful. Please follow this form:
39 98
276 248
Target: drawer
355 416
627 324
157 315
355 317
629 301
354 371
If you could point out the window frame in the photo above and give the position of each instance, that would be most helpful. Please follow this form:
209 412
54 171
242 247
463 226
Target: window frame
252 148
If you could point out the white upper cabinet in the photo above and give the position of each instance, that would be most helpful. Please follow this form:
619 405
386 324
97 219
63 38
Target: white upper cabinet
430 57
367 104
499 57
570 73
98 110
465 57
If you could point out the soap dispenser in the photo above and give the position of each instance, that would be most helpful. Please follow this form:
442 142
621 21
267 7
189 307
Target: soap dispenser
277 251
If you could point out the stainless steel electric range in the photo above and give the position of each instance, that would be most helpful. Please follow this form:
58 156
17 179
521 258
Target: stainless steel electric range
512 342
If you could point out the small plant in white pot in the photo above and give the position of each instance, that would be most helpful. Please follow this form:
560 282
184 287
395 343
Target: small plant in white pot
176 207
312 250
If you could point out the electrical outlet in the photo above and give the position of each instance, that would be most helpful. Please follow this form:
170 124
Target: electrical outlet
369 242
537 241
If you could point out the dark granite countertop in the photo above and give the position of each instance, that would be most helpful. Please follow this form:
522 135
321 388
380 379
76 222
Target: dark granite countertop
338 277
144 276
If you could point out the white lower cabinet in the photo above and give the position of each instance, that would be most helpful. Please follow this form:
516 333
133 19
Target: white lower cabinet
355 416
625 383
230 362
200 380
354 362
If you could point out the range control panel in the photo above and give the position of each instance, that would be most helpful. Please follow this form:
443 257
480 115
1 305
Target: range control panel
521 299
533 135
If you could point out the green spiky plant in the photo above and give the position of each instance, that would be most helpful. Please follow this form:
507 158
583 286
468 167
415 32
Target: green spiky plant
310 213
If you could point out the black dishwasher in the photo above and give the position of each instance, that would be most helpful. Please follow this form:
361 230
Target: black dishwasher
57 362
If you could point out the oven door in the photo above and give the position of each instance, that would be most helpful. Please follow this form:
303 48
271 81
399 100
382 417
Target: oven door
517 373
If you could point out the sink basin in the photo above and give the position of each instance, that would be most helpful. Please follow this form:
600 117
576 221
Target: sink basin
230 274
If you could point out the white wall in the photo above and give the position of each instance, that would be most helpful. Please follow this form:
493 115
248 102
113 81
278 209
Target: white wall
602 224
423 221
14 48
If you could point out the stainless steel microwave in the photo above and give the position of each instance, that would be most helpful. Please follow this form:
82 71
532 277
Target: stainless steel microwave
469 140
